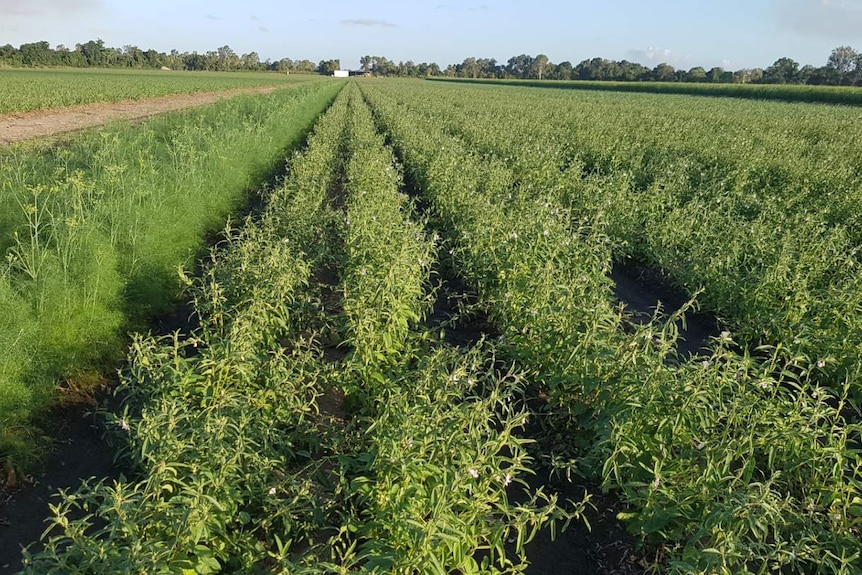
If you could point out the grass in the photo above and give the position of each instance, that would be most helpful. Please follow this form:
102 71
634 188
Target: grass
22 90
93 233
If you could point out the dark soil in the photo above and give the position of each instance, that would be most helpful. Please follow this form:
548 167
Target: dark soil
78 452
643 290
604 548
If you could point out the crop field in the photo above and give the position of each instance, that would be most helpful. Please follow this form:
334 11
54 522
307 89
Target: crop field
23 90
420 319
784 92
92 233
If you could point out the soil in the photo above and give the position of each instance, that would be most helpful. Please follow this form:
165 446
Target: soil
643 290
40 123
81 453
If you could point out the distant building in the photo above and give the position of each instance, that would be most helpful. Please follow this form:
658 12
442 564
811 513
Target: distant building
341 73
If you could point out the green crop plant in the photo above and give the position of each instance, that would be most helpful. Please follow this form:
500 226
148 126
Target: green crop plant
93 231
734 462
248 456
24 90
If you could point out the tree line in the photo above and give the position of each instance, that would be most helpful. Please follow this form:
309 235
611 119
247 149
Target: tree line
96 55
843 67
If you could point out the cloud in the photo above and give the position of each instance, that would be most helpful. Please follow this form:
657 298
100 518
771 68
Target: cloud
212 17
652 55
263 28
368 22
27 8
255 19
820 18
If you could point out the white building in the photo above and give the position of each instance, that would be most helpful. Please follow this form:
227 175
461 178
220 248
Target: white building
341 73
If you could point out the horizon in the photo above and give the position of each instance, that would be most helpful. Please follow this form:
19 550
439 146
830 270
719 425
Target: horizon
732 34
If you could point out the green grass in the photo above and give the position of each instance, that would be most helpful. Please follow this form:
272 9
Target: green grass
789 93
93 232
22 90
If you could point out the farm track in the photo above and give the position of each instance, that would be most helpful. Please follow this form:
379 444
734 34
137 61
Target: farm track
45 123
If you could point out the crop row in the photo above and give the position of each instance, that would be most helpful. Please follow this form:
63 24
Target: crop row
92 233
312 424
783 92
753 205
23 90
734 462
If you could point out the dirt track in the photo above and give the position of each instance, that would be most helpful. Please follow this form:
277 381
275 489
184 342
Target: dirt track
40 123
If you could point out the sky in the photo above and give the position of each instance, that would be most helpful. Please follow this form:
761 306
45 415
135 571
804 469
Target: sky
733 34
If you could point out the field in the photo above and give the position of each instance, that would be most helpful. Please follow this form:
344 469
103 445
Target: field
23 90
92 233
789 93
418 324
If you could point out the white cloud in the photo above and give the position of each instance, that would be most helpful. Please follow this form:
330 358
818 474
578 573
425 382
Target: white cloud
368 22
652 56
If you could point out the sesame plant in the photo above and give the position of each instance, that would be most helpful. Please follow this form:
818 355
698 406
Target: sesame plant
255 450
736 462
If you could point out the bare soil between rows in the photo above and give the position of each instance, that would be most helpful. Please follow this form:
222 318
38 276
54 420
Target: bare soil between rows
29 125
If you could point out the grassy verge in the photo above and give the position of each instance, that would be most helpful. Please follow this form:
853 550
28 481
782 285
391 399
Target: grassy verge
93 233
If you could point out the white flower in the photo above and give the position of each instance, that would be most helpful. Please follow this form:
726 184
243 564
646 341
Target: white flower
546 233
363 271
507 480
700 446
656 482
821 363
473 473
271 491
124 425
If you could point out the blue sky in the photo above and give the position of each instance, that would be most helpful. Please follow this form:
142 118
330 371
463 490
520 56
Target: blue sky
685 33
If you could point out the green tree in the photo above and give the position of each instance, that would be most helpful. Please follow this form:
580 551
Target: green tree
327 67
783 71
539 66
843 59
250 61
664 72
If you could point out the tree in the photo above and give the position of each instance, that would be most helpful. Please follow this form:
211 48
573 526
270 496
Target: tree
366 62
226 59
327 67
540 64
697 74
36 54
469 68
94 52
715 75
843 59
783 71
250 61
664 72
519 66
564 71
